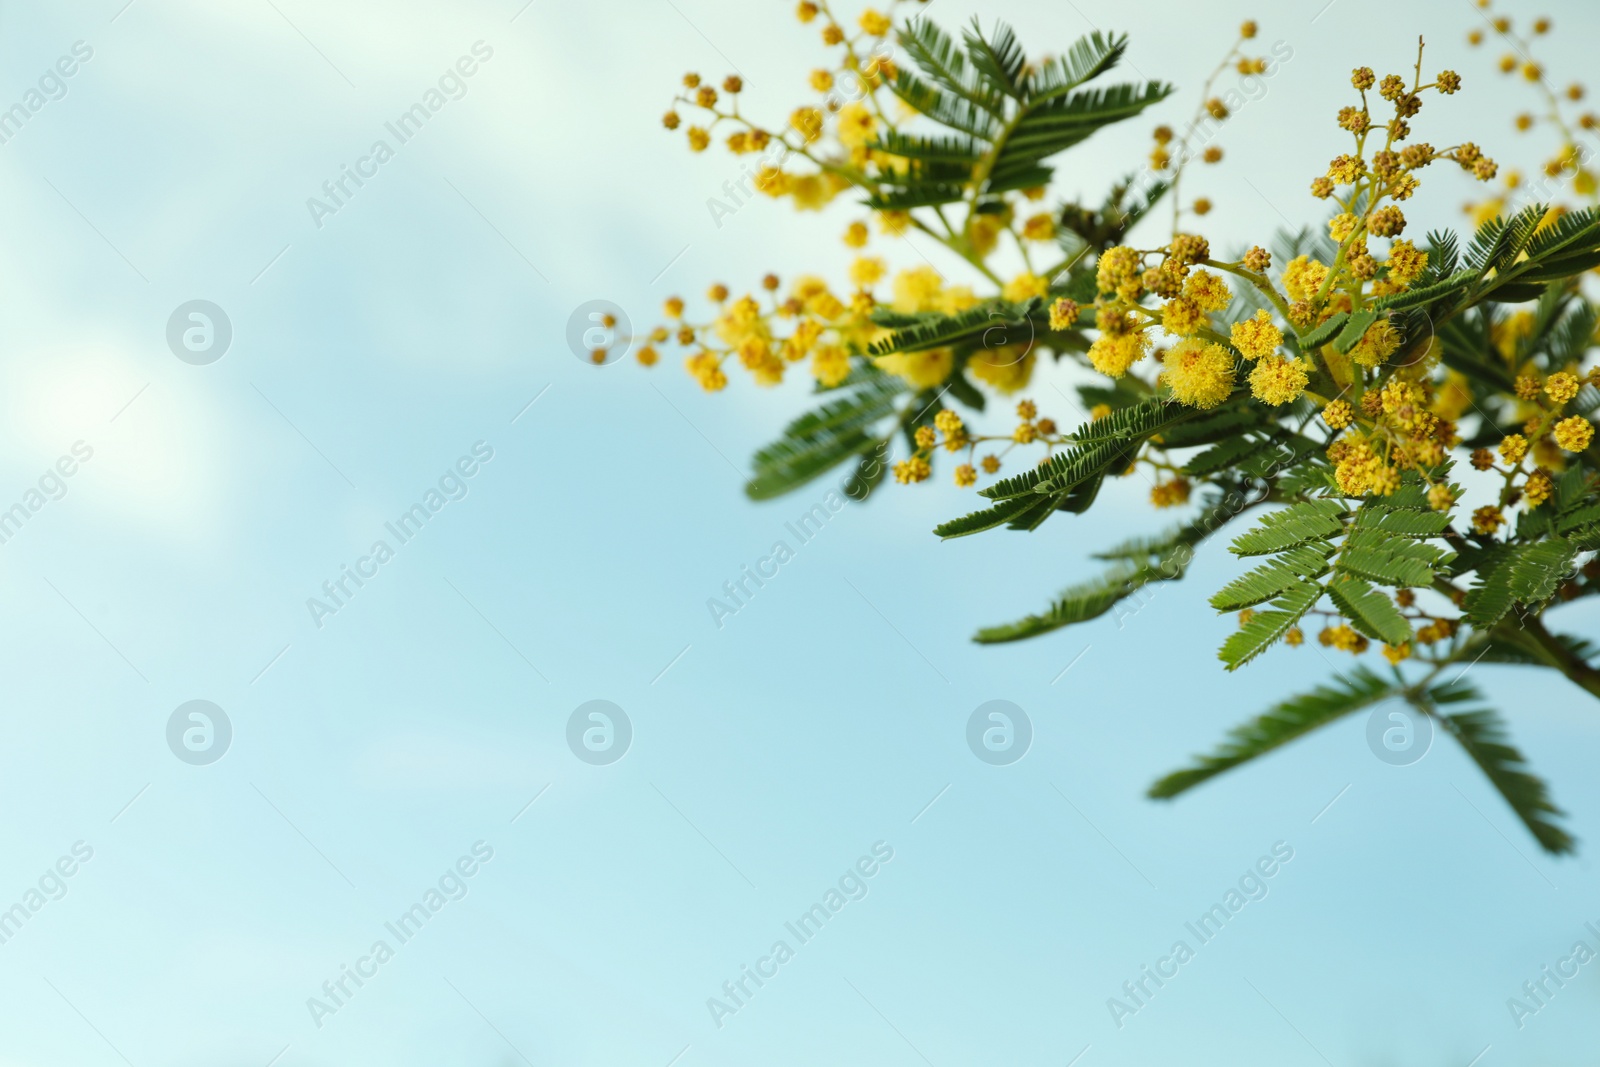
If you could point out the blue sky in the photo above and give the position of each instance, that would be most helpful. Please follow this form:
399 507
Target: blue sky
429 714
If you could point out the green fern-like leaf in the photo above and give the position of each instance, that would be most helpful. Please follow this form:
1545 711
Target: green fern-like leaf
988 518
1100 443
1211 427
1490 596
1354 327
939 331
1321 334
1402 522
1370 611
1266 628
1012 120
1310 520
1483 735
1064 470
962 150
1444 255
1428 295
1086 60
1377 555
1086 601
823 438
1518 574
1500 241
1500 650
998 58
1292 719
939 59
1230 452
1185 535
1272 579
1054 125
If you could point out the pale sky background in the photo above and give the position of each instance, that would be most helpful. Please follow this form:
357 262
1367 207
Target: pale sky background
368 755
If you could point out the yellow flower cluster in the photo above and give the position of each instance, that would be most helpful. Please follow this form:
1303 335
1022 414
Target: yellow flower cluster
1121 344
1185 314
1199 373
1276 380
1360 469
1574 434
1388 404
1256 337
811 323
1170 493
1343 638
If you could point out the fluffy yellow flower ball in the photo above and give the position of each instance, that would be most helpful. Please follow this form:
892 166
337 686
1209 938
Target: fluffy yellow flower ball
1256 337
1025 286
1574 434
1377 344
1006 368
1302 277
1406 262
1208 290
857 125
922 369
1199 374
1113 354
1561 386
866 270
1276 380
1182 316
830 364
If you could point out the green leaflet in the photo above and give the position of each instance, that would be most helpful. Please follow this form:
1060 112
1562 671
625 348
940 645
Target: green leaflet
1490 596
1088 58
1230 452
937 331
1502 650
1142 561
1073 477
1087 600
1354 691
1320 335
823 438
1008 119
1353 330
1483 735
1100 443
988 518
1578 518
1518 574
1138 549
1311 520
1266 628
1499 242
1385 569
1375 554
1275 578
1537 569
1137 422
1427 294
1064 470
1213 426
1370 611
1404 512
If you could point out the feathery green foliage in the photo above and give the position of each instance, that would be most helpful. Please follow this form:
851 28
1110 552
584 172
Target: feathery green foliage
1357 690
